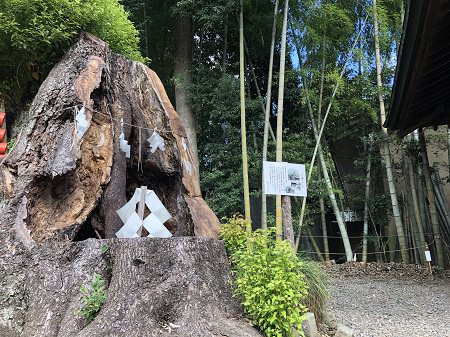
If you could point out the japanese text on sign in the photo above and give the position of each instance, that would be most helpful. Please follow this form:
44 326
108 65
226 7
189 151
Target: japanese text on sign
285 179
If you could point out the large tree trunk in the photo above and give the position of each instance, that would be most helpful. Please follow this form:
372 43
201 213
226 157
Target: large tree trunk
154 287
67 187
57 189
287 220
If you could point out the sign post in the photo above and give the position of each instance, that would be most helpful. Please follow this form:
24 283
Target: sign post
282 178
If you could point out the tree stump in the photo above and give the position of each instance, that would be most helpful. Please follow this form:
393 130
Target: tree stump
58 192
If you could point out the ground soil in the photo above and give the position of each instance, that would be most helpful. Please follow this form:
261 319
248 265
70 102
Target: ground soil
390 300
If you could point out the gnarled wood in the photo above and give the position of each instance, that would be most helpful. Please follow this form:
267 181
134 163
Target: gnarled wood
149 284
73 186
56 188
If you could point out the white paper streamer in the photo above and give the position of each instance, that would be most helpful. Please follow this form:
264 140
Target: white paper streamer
81 122
156 142
123 143
154 223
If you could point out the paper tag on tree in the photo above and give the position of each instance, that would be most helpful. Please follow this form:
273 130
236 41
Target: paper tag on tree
156 142
124 143
428 256
81 122
153 223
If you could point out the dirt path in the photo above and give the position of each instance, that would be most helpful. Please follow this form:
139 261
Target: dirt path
385 305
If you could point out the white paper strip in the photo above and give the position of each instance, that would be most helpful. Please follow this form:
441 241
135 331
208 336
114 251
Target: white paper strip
154 223
155 227
124 145
81 122
130 207
156 142
156 206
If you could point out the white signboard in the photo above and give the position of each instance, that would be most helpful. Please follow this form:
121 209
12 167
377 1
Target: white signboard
284 179
428 256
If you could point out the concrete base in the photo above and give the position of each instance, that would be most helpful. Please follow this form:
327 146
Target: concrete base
309 325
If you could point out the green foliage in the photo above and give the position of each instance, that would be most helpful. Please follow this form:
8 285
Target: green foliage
318 287
268 278
105 249
11 144
234 233
93 298
34 34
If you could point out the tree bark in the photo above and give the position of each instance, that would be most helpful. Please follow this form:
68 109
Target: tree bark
287 220
57 188
154 287
54 185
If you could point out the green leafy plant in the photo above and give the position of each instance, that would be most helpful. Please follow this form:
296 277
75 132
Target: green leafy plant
105 249
267 278
11 144
318 287
93 298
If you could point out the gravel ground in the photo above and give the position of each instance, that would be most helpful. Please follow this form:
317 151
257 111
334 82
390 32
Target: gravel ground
390 301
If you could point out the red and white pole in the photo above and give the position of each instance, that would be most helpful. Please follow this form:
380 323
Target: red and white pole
3 139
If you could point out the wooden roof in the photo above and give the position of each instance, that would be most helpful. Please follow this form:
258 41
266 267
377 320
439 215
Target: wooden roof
421 93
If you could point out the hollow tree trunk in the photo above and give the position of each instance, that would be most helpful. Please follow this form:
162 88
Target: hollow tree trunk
68 187
56 189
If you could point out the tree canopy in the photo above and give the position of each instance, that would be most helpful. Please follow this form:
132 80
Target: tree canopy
35 34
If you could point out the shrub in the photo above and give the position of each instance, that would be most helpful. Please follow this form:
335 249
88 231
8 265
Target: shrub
318 287
35 34
267 278
93 299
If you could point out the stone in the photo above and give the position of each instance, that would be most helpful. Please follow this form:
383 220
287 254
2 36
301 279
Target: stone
344 331
309 325
329 318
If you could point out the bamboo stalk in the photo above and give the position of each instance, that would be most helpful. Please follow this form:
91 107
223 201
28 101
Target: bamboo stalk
420 237
314 244
431 200
243 126
267 117
366 202
279 148
386 153
323 221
